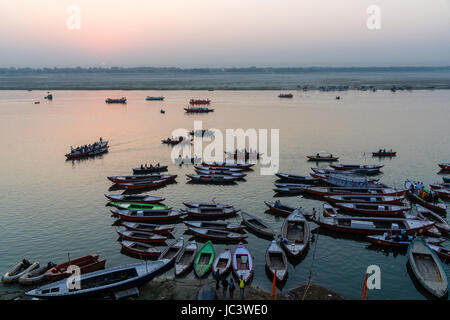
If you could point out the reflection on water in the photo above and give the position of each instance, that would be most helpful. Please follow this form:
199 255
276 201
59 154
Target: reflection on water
49 206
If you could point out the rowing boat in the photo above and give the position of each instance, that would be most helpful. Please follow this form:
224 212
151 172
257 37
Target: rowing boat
221 172
372 209
35 276
151 169
330 191
148 227
281 208
209 212
276 261
361 171
295 233
222 263
139 206
144 184
296 178
204 259
206 205
440 186
427 268
322 156
221 225
140 249
365 199
329 210
103 281
141 178
437 206
443 193
185 259
384 154
86 264
136 198
144 216
373 225
217 234
243 264
399 241
141 236
257 225
288 190
228 169
227 165
444 166
346 180
172 251
427 214
213 178
356 166
442 252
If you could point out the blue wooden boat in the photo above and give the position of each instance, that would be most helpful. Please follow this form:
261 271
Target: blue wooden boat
154 98
446 179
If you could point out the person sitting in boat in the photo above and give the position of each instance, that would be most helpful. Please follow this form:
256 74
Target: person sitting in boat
101 139
317 155
157 164
142 166
151 166
277 204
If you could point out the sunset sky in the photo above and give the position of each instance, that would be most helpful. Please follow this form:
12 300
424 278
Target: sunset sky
224 33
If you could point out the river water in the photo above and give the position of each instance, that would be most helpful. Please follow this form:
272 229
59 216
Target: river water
50 207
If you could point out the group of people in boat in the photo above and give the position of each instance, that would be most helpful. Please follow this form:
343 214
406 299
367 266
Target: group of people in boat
384 151
398 237
149 167
418 188
87 147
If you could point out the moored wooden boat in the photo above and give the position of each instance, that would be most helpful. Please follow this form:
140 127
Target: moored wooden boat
35 276
444 166
221 172
224 169
372 209
383 153
329 191
145 170
204 259
148 227
442 252
242 263
295 234
172 251
222 263
211 212
140 249
227 165
427 268
370 199
446 179
20 269
356 166
443 193
149 98
86 151
141 236
440 186
206 205
147 184
329 210
286 95
217 234
413 194
103 281
86 264
322 156
346 180
221 225
136 198
288 190
140 206
141 178
116 100
212 178
276 261
143 216
360 171
279 208
400 241
198 110
373 225
185 260
296 178
174 140
257 225
427 214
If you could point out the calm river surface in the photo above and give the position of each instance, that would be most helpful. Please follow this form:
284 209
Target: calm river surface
49 206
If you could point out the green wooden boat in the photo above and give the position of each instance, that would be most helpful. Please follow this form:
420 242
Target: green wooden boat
204 259
140 206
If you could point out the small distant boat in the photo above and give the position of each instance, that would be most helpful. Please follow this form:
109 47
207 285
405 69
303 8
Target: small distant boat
384 153
437 206
146 184
369 199
148 227
257 225
140 249
204 259
136 198
141 236
297 232
243 264
296 178
227 165
427 268
276 261
144 169
154 98
86 264
199 101
35 276
217 234
37 102
322 156
222 168
120 100
172 251
212 178
104 281
162 111
198 110
444 166
285 95
144 216
376 191
18 271
372 209
174 140
243 155
221 225
206 205
185 260
211 212
222 263
49 96
360 171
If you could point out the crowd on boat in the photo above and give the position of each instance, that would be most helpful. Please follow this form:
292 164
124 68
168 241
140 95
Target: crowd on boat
95 148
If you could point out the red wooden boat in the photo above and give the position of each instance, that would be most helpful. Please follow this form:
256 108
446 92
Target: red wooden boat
140 249
86 264
206 205
440 186
243 263
443 193
373 225
398 241
371 199
372 209
136 198
148 227
330 191
82 152
210 212
356 166
198 110
141 178
226 165
144 184
437 206
444 166
141 236
144 216
217 234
